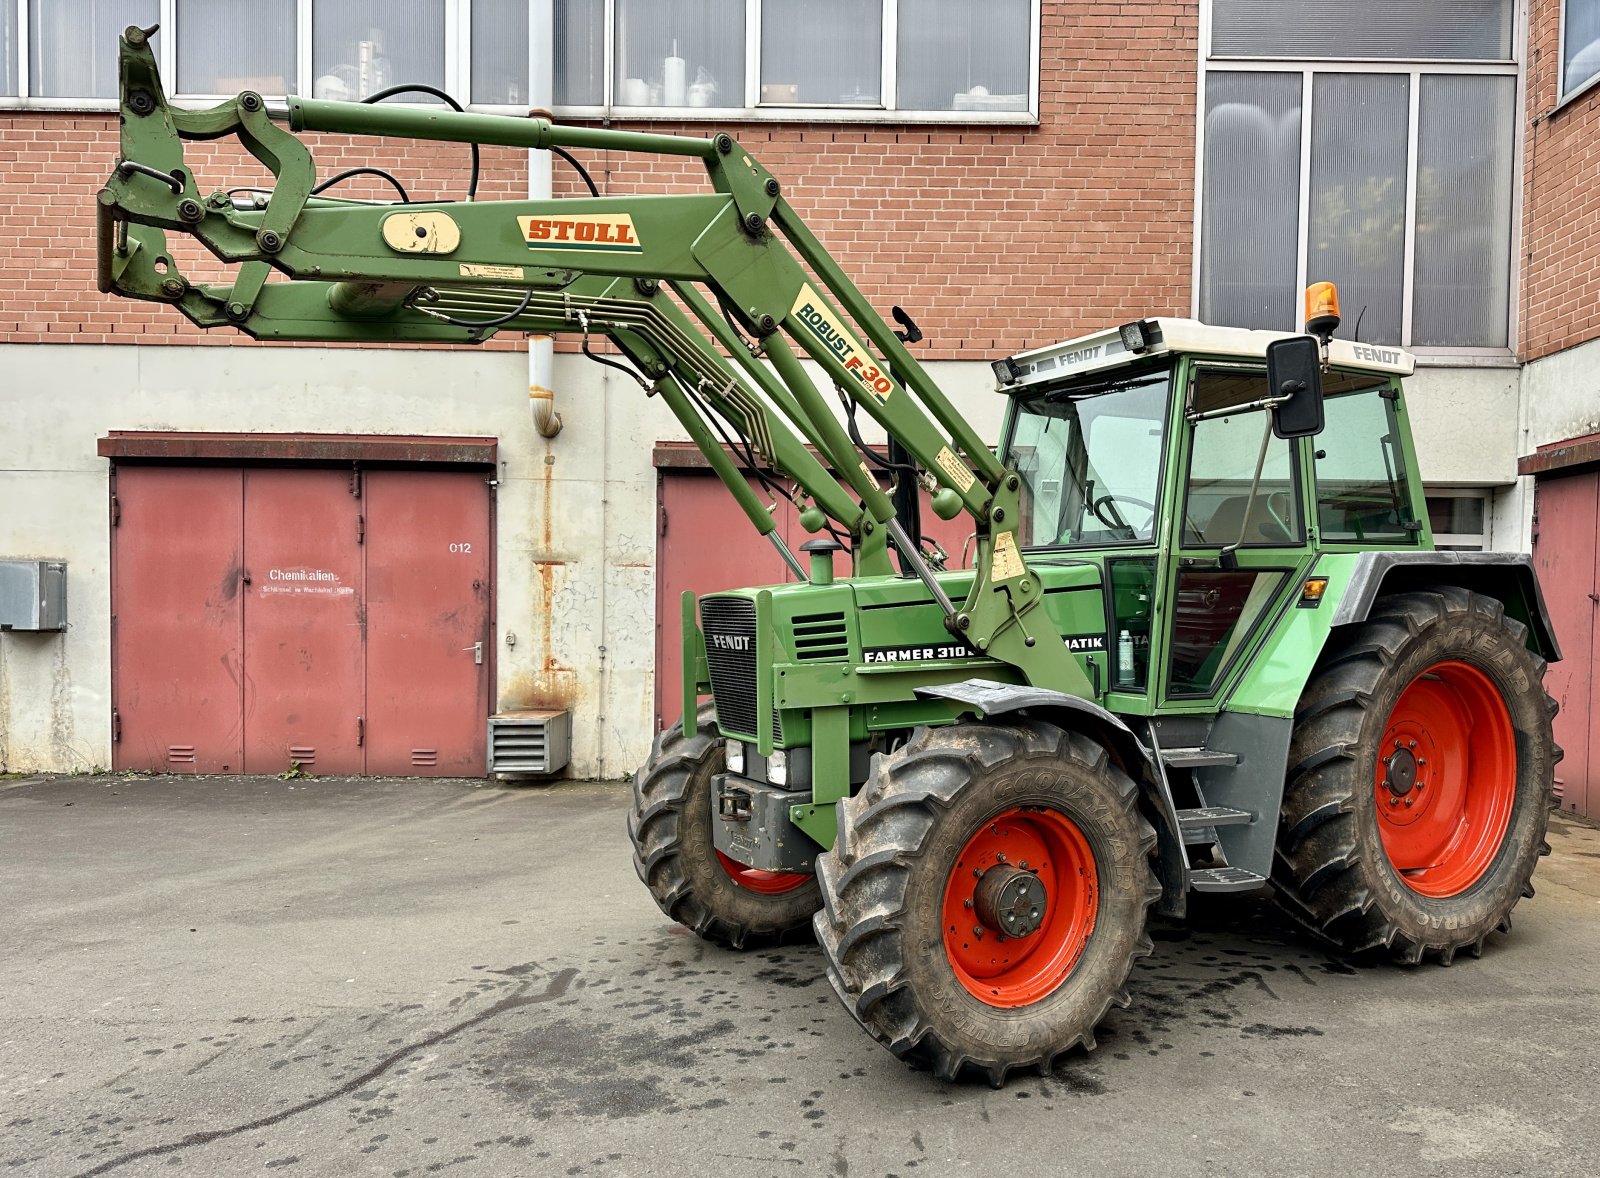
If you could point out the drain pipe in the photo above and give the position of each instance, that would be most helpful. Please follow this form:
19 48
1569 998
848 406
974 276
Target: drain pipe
541 98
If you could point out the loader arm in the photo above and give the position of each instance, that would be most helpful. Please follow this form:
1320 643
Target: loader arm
635 269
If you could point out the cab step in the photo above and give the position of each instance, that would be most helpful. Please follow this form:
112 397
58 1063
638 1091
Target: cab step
1199 825
1197 758
1225 879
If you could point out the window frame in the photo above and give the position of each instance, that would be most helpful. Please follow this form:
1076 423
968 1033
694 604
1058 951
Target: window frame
458 76
1415 70
1563 98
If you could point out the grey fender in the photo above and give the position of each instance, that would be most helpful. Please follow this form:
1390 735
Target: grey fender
989 698
1509 577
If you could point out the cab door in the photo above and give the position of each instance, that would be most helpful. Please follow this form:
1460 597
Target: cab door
1239 539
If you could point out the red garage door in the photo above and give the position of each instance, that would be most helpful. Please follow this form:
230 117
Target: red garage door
269 616
704 544
1566 550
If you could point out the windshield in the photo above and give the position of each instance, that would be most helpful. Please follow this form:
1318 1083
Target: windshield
1090 460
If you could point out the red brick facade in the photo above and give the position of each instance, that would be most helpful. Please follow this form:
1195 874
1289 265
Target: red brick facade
1561 201
993 237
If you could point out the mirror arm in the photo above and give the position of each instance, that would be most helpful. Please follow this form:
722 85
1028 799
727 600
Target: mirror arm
1247 407
1227 555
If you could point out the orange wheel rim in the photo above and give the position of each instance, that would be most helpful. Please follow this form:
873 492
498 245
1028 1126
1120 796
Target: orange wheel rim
1446 779
768 883
1011 971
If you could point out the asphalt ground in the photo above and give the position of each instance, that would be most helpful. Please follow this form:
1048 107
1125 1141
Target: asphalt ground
398 978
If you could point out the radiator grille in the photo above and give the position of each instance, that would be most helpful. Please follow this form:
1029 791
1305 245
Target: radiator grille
729 624
821 636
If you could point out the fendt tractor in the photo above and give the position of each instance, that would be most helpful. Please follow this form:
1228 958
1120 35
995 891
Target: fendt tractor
1206 643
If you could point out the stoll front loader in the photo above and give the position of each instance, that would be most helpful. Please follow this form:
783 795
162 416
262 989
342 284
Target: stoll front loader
1205 643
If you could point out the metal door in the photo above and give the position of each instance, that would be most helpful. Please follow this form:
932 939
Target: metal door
703 543
302 621
427 621
177 620
1566 551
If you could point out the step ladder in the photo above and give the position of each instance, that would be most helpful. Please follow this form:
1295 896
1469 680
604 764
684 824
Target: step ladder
1198 825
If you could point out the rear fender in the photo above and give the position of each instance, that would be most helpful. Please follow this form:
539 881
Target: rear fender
987 698
1508 577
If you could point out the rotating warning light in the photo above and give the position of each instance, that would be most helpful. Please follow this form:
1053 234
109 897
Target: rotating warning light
1322 309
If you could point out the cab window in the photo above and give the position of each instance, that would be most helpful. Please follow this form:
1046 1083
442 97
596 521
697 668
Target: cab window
1363 486
1225 503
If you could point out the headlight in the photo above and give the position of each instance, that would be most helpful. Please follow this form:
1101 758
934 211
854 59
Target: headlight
733 757
778 768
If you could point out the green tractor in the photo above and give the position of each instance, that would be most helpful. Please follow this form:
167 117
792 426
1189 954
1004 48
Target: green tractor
1205 645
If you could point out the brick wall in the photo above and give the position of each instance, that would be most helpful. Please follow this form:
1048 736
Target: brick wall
1561 201
994 238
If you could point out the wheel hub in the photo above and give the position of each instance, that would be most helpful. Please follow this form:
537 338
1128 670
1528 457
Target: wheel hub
1401 772
1010 901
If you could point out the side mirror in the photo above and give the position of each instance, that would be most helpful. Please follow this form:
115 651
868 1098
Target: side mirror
1294 370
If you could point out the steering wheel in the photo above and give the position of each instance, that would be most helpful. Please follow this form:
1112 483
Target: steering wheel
1105 509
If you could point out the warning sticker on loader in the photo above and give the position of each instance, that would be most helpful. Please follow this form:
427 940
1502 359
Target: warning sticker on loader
956 469
1007 560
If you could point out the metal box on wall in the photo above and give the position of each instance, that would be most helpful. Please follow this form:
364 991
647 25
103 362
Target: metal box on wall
537 740
33 595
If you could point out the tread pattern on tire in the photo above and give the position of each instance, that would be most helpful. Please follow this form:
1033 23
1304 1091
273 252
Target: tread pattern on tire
865 927
656 825
1318 872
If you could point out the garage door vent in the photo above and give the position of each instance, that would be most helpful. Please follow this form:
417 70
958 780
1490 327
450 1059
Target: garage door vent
534 741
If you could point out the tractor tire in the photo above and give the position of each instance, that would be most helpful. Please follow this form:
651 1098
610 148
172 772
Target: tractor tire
716 897
908 927
1421 779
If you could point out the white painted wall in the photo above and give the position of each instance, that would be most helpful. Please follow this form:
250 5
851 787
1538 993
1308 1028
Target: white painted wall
576 541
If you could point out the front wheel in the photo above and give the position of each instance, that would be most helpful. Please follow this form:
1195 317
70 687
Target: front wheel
696 885
986 897
1420 779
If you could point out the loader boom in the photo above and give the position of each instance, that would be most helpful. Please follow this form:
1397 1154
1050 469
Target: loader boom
462 271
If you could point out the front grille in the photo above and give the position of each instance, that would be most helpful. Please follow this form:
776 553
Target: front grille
729 625
821 636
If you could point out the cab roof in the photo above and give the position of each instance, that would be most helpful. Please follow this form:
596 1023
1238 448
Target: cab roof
1106 349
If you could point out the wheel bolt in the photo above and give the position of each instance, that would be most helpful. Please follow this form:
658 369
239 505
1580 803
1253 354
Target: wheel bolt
1393 801
1411 744
966 903
1410 801
1000 857
1023 864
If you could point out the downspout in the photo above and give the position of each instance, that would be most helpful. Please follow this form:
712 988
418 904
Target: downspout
541 100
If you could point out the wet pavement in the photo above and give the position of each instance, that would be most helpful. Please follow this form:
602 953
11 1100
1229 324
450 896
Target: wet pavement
404 978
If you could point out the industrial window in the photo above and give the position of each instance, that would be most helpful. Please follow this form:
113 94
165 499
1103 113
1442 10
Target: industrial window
1371 145
839 60
1459 518
1580 45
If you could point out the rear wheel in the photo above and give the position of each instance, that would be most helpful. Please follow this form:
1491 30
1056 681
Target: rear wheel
1420 780
986 897
695 884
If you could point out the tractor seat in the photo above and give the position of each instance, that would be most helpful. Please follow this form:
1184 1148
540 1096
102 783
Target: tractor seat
1259 524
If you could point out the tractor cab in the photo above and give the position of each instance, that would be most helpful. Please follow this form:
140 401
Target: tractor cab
1204 470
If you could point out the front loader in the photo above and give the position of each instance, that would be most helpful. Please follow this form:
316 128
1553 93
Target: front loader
1205 643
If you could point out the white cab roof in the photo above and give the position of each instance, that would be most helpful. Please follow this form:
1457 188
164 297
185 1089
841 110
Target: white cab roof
1104 349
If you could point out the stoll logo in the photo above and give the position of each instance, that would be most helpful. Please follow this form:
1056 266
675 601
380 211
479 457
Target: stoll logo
609 233
730 641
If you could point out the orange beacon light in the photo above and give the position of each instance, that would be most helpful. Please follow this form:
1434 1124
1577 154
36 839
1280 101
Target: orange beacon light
1322 309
